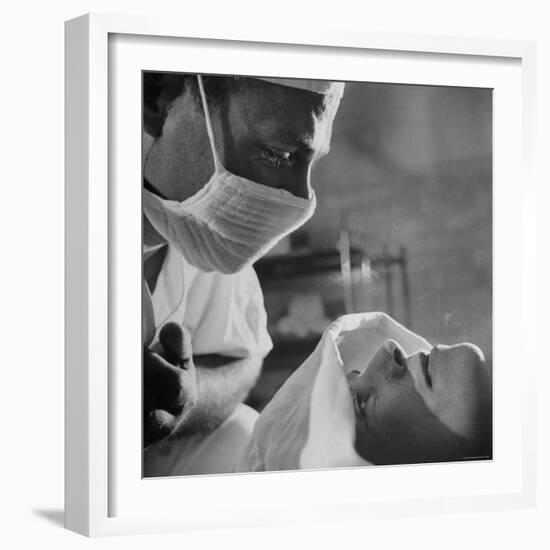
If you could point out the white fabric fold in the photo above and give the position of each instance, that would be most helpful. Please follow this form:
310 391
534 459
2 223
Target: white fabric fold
229 223
324 87
310 422
225 314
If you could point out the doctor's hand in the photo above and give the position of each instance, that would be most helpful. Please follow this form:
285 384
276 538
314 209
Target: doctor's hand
169 384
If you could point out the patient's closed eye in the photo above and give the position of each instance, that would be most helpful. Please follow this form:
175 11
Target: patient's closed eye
362 401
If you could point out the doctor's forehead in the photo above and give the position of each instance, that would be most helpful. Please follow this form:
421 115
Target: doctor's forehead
270 97
284 114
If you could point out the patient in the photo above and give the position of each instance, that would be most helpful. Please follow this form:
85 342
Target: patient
423 408
374 392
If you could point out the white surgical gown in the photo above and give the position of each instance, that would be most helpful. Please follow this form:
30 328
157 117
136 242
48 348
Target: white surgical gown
225 315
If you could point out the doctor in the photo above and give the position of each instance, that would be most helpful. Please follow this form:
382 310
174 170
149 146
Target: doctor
227 165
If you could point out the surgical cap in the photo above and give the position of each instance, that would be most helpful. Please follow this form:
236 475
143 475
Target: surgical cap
323 87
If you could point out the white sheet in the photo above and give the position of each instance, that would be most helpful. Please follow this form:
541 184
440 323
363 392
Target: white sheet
310 422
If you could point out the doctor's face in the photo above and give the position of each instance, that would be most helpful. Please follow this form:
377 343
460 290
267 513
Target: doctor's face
267 133
427 407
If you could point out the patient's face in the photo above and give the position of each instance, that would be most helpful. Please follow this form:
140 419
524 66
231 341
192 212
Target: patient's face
422 408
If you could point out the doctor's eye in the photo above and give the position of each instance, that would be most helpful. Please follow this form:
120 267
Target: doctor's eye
276 158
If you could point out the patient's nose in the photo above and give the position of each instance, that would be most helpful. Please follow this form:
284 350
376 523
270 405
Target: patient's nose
397 365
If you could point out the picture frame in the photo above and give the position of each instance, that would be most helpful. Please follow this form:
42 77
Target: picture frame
104 495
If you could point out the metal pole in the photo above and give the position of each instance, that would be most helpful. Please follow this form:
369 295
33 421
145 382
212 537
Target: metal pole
345 266
388 280
406 287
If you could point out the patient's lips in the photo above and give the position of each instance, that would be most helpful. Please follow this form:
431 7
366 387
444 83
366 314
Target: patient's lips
425 366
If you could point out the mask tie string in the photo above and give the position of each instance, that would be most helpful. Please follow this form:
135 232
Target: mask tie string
217 163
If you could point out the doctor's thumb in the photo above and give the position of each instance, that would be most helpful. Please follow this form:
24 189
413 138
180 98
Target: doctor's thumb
176 340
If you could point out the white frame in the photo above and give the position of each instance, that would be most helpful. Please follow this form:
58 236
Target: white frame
87 264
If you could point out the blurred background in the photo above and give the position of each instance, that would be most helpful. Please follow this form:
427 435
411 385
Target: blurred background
403 225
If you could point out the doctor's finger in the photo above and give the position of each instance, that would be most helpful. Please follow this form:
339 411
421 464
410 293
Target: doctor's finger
162 421
176 340
151 431
157 425
170 384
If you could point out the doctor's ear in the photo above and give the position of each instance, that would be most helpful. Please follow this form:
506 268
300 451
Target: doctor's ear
159 92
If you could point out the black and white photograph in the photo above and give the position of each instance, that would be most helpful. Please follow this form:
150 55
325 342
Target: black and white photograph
275 275
317 274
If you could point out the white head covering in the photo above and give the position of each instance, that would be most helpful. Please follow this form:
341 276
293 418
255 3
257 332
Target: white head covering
323 87
310 422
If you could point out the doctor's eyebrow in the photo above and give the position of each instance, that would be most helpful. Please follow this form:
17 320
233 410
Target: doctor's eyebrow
301 143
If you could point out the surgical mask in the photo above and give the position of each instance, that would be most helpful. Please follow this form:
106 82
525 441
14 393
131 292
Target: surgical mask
231 221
